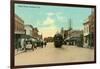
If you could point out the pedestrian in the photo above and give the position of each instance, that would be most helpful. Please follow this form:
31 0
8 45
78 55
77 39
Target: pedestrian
33 44
18 46
23 44
45 43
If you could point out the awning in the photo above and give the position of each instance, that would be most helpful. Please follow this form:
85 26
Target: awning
72 39
19 32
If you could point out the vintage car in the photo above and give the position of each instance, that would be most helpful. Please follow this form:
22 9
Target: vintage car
39 43
35 42
30 43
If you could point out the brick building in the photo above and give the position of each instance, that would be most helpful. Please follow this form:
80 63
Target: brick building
19 25
91 30
73 37
35 33
86 34
19 28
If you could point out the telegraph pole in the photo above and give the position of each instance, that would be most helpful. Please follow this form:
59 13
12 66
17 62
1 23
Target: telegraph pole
70 27
70 24
62 31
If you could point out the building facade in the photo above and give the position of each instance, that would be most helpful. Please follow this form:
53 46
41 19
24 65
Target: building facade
89 31
28 31
18 29
74 37
19 25
86 34
65 34
35 33
49 39
92 28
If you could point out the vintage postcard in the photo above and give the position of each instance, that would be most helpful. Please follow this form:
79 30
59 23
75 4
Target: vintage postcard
52 34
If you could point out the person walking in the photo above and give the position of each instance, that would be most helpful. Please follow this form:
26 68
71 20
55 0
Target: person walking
18 46
23 44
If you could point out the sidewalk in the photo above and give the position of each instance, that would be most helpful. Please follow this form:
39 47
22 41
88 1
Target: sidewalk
18 51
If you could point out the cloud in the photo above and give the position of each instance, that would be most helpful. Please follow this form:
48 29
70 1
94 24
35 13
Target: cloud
59 16
50 14
49 25
49 28
49 21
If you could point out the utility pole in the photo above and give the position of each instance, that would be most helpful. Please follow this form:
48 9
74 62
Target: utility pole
70 27
62 31
70 24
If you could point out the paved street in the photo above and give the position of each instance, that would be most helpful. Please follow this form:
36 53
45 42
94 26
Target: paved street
50 54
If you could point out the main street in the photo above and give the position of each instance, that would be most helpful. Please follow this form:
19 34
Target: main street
50 54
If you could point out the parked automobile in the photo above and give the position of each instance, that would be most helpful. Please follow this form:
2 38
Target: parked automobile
39 43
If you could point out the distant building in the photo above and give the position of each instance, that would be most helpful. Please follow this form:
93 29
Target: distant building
32 32
73 37
28 30
65 34
35 33
40 36
48 39
75 33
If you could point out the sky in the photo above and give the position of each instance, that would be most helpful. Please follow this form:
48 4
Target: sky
50 19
